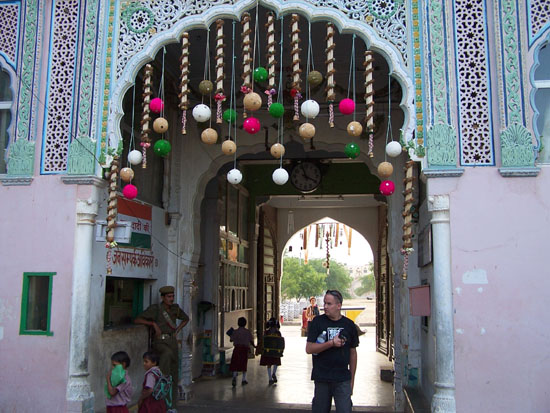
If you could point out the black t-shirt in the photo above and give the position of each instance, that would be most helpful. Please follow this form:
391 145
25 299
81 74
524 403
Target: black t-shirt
332 365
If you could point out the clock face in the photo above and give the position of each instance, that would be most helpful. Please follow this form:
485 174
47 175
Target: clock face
306 177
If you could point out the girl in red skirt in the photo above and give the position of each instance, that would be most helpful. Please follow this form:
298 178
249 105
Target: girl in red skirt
147 403
274 345
242 340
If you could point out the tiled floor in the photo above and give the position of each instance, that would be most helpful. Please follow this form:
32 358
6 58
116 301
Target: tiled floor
294 386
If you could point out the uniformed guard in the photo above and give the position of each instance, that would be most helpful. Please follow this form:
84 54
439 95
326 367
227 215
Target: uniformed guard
163 319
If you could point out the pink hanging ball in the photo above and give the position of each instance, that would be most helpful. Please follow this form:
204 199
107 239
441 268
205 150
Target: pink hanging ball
346 106
129 191
156 105
251 125
387 188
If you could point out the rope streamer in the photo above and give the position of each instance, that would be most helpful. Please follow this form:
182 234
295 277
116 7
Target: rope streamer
146 114
369 99
296 71
220 76
184 69
331 97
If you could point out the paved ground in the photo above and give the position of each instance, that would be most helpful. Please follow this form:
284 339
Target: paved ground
294 389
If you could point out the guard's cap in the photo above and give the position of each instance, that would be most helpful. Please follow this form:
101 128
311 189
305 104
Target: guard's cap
168 289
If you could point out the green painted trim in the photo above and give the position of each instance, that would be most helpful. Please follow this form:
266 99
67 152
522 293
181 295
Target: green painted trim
21 158
517 148
439 78
441 143
24 302
137 301
81 159
108 66
512 74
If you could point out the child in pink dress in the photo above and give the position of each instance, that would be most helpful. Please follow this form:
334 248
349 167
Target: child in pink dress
118 388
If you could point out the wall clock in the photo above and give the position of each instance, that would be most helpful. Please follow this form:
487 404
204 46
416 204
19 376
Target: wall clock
306 177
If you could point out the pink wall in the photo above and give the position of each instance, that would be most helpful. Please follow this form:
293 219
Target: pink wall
38 223
500 229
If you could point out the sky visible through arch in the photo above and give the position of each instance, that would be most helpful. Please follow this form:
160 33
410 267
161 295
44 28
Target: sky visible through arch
361 252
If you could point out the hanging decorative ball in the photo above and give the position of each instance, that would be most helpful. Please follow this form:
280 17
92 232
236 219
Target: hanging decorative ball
251 125
229 147
234 176
393 149
209 136
276 110
252 101
352 150
260 74
156 105
160 125
385 169
201 113
206 87
229 115
162 148
355 128
387 187
126 174
277 150
346 106
280 176
129 191
135 157
315 78
306 130
310 109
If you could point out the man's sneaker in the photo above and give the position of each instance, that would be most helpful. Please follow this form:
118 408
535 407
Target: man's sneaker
274 377
244 382
271 382
234 382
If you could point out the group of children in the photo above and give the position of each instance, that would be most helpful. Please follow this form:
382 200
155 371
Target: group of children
119 389
243 342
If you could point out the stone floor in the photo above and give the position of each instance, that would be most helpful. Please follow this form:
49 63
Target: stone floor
294 389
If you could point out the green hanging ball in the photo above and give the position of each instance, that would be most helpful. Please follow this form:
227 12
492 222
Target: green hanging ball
230 116
260 74
352 150
206 87
314 78
276 110
162 147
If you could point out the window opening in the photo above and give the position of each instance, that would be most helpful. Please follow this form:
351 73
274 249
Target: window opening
36 304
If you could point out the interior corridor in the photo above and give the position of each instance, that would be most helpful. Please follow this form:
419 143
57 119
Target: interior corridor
294 389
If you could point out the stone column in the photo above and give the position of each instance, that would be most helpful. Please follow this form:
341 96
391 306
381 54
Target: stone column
186 367
79 395
442 300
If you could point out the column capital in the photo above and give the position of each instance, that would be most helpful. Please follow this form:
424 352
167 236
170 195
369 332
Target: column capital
438 203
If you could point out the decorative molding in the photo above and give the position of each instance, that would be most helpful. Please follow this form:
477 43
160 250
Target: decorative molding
15 180
442 173
438 62
60 93
511 68
26 83
87 68
81 158
441 146
417 70
473 83
517 148
9 39
84 180
438 203
21 158
519 172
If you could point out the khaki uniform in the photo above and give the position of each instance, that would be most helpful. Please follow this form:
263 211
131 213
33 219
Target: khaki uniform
166 346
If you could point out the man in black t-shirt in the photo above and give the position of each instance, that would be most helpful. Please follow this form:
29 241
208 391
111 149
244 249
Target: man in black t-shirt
332 339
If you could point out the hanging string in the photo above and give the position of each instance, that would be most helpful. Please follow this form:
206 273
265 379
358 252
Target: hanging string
309 59
132 144
232 93
206 75
256 43
353 68
389 131
280 91
161 87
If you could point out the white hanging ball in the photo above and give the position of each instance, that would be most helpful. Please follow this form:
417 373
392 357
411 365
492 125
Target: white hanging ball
234 176
135 157
310 109
201 113
280 176
393 149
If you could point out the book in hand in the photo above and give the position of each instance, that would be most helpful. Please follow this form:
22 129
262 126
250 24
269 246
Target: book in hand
230 331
